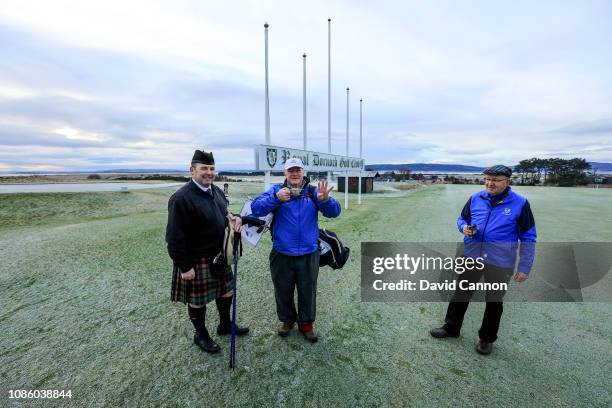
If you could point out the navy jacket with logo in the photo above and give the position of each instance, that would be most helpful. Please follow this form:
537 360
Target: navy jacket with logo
502 221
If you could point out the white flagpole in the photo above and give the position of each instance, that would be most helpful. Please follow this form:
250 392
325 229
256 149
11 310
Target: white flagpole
304 102
346 183
360 145
329 174
267 180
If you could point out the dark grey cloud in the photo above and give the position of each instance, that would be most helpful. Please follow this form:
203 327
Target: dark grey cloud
130 95
189 91
478 86
468 150
598 126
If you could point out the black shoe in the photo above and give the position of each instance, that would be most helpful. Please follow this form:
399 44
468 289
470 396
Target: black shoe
440 333
484 347
224 330
206 343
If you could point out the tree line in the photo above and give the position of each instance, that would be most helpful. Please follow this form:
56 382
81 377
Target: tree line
557 171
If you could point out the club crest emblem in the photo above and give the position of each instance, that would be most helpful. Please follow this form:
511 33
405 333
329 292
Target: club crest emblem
271 156
507 211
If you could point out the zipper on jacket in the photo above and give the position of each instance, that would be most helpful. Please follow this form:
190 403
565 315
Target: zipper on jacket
217 210
300 228
484 230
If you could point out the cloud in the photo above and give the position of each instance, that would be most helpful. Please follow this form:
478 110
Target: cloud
598 126
21 136
169 77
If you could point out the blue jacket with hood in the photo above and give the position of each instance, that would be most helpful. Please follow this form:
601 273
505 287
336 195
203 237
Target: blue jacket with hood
295 228
502 221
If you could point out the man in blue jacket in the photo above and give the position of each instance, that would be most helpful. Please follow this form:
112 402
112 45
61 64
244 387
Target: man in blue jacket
492 222
294 260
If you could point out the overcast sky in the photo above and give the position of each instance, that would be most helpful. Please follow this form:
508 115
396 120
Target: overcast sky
90 85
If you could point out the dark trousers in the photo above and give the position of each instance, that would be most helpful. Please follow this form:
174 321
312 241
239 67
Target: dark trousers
289 272
494 309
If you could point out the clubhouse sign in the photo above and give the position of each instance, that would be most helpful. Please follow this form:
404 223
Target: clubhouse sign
274 157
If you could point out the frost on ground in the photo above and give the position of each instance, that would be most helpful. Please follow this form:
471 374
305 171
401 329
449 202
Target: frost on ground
84 306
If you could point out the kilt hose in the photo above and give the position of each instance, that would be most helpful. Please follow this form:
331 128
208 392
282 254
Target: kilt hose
204 288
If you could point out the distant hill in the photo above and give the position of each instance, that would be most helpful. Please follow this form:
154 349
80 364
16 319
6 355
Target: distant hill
416 167
601 167
450 168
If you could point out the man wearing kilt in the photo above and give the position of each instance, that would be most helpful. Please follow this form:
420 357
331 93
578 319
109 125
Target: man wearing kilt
197 217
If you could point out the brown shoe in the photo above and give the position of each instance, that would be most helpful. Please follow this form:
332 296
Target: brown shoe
285 329
310 336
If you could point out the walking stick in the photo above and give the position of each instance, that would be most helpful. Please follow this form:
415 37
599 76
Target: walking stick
232 361
237 250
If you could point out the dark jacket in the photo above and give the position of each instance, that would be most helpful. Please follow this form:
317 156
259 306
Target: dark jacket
196 224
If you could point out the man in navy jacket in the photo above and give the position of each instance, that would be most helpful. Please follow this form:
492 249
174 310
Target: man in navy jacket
492 222
294 259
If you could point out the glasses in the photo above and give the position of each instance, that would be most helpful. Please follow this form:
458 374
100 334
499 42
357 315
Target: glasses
495 180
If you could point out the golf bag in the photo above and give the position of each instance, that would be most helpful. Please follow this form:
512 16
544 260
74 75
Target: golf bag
333 253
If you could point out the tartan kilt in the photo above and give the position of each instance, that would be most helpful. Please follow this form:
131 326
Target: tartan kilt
204 288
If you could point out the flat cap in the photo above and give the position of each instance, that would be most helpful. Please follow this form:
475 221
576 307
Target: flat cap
498 170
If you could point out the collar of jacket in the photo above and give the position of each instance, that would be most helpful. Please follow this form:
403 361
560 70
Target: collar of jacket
498 198
305 182
198 190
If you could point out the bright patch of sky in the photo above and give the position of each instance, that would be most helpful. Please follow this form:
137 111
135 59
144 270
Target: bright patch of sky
141 84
